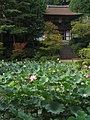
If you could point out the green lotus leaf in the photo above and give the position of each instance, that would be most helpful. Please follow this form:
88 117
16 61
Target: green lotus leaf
87 90
44 80
55 107
12 84
71 118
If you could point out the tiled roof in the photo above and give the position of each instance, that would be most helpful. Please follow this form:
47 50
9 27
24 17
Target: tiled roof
59 10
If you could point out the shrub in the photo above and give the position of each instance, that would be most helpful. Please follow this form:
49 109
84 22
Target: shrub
82 62
85 52
78 43
18 51
53 39
80 30
80 35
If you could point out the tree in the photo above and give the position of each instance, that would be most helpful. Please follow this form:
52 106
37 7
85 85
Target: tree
24 17
80 35
21 20
85 52
82 6
54 2
53 39
58 2
80 30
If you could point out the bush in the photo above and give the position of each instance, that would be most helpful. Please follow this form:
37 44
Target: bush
23 50
80 35
82 62
52 41
78 43
85 52
86 62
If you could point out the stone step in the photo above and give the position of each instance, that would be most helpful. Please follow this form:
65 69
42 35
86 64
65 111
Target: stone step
67 53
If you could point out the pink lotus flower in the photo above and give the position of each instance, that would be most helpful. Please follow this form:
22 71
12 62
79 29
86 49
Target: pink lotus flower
32 78
76 70
89 67
85 66
87 75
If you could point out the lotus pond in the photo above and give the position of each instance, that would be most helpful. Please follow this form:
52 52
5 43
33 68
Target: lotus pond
44 91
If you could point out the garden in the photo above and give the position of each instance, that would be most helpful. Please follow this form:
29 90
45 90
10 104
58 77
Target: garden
32 90
34 83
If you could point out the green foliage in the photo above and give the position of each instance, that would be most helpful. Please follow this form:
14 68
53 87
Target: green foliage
85 52
82 62
86 62
80 35
21 21
49 91
55 107
1 50
24 50
78 43
18 30
54 2
57 2
80 115
4 28
80 30
22 17
50 27
80 6
53 39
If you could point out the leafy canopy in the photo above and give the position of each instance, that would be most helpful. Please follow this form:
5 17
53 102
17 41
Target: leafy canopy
82 6
22 17
80 29
57 2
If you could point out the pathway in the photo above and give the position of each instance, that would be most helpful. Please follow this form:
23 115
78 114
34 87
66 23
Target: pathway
67 53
